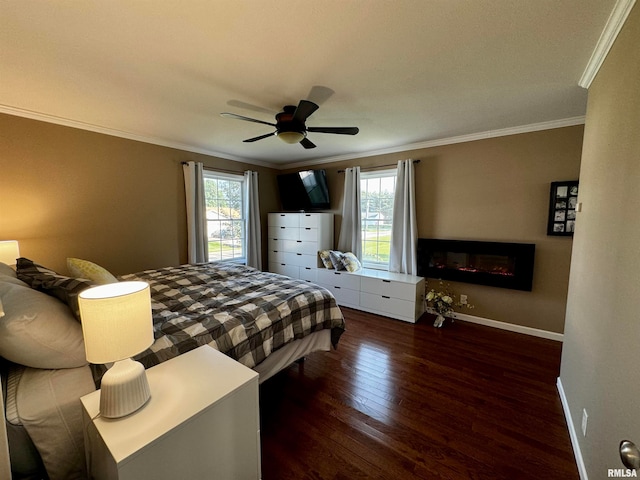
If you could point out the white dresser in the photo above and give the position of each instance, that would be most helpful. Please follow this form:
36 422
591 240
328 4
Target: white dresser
294 242
395 295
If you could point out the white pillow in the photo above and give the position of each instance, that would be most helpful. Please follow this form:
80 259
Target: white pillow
85 269
38 330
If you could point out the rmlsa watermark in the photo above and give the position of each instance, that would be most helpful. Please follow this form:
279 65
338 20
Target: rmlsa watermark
621 473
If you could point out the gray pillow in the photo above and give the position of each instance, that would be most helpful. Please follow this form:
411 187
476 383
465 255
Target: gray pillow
62 287
38 330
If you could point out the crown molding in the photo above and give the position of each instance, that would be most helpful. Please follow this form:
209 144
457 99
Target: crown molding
534 127
567 122
612 28
66 122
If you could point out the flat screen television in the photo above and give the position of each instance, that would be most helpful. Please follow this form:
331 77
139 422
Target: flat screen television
305 190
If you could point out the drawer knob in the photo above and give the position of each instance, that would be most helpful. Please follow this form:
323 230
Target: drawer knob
386 281
384 296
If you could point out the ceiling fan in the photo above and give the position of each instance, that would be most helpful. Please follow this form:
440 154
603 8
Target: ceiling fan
290 125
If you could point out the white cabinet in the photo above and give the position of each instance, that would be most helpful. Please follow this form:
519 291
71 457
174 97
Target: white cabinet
395 295
202 421
294 242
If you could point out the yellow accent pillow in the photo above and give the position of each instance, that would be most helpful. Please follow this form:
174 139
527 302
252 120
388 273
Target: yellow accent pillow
326 259
85 269
351 262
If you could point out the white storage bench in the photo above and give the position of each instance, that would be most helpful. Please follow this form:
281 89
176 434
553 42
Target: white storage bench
395 295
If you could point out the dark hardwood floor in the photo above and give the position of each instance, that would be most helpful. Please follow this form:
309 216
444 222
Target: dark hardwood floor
403 401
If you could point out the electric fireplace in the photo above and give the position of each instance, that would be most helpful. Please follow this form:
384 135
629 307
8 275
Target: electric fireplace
497 264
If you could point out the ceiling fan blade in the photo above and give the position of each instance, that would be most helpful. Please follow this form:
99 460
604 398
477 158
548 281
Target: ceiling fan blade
306 143
249 106
304 111
255 139
338 130
240 117
319 94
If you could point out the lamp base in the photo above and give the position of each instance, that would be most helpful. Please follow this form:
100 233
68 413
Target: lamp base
124 389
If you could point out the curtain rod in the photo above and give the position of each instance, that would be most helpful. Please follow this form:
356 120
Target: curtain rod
223 170
380 166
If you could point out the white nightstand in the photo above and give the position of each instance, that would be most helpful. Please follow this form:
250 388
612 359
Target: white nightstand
202 422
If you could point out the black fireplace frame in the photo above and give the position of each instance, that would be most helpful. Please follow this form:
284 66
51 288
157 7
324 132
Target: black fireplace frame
523 255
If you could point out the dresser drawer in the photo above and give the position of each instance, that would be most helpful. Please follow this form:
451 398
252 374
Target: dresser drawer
344 296
301 260
277 256
309 234
390 288
284 269
309 220
308 274
299 246
339 279
386 304
284 233
284 219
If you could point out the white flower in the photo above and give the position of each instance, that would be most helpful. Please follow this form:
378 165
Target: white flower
430 296
447 299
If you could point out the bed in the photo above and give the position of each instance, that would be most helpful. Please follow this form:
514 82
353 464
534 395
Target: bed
263 320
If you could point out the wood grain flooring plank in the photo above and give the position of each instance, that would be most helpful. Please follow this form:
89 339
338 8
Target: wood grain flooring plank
409 401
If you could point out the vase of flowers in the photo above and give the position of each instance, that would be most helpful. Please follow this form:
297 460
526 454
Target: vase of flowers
443 303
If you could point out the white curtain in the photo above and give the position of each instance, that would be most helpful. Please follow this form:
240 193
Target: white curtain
351 229
198 248
252 215
404 231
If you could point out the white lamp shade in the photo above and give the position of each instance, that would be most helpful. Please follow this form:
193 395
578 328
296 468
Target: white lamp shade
116 320
9 251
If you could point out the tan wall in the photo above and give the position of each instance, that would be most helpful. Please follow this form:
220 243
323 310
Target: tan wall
600 355
497 190
68 192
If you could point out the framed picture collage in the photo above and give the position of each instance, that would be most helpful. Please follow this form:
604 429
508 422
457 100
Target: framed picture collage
563 201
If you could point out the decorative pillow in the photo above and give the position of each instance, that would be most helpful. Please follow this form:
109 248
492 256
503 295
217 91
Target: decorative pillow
47 281
326 258
336 259
351 262
39 331
89 270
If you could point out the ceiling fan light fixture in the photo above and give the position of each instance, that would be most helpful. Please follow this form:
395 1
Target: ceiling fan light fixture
291 137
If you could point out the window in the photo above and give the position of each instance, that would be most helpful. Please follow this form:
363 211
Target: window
377 190
226 225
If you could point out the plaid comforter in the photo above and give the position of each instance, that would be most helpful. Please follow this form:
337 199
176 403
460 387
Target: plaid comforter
241 311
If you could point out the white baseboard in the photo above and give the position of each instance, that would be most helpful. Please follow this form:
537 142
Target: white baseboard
582 470
536 332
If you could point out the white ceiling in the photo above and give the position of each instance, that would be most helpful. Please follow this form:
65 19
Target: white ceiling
404 71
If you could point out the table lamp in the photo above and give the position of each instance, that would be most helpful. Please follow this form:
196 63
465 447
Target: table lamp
117 324
9 251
